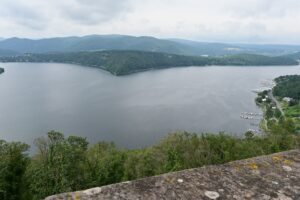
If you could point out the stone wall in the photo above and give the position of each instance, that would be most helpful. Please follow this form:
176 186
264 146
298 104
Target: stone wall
274 176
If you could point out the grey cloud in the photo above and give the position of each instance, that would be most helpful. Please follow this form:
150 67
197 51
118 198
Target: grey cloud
222 20
90 12
22 14
37 15
263 8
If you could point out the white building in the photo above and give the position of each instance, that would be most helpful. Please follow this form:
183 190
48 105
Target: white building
287 99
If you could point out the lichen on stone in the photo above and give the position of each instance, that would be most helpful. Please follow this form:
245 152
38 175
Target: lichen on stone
212 194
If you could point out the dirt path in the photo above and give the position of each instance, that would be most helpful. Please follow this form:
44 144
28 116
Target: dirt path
271 96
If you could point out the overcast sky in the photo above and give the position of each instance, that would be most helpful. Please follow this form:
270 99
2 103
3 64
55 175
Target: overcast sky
248 21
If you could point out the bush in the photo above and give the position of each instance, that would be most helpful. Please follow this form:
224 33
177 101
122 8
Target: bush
67 164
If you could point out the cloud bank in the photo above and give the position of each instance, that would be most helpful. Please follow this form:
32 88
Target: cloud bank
249 21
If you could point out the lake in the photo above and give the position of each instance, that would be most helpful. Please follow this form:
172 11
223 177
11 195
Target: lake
133 111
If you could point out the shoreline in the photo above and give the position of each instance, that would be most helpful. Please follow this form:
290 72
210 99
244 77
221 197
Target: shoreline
275 109
152 68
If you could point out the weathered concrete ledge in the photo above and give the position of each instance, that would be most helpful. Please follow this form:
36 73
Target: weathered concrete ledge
274 176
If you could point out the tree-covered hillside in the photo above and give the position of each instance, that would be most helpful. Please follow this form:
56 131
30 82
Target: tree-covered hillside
5 52
127 62
93 43
143 43
255 60
287 86
294 56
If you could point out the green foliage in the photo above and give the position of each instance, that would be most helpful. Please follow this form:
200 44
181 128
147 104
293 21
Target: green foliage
254 60
67 164
269 112
249 135
13 163
287 86
141 163
277 113
294 55
294 102
104 164
292 111
58 166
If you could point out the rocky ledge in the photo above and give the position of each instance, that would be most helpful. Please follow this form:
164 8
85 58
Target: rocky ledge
275 176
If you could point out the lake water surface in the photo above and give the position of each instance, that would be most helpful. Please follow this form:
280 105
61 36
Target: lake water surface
132 111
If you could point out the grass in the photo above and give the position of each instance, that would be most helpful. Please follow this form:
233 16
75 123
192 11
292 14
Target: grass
292 111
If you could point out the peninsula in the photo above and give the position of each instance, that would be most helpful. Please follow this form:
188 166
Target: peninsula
123 62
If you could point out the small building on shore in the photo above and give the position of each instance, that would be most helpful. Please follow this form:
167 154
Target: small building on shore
287 99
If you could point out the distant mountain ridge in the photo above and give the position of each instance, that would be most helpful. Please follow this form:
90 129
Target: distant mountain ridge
16 46
93 43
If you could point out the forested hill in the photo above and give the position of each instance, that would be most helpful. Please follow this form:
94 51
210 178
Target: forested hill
287 86
254 60
127 62
18 46
294 56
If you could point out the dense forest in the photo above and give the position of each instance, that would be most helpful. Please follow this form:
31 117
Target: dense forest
287 86
254 60
294 55
64 164
127 62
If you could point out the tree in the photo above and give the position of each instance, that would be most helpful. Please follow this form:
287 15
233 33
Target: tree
269 112
293 102
104 164
14 160
277 113
249 135
58 166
